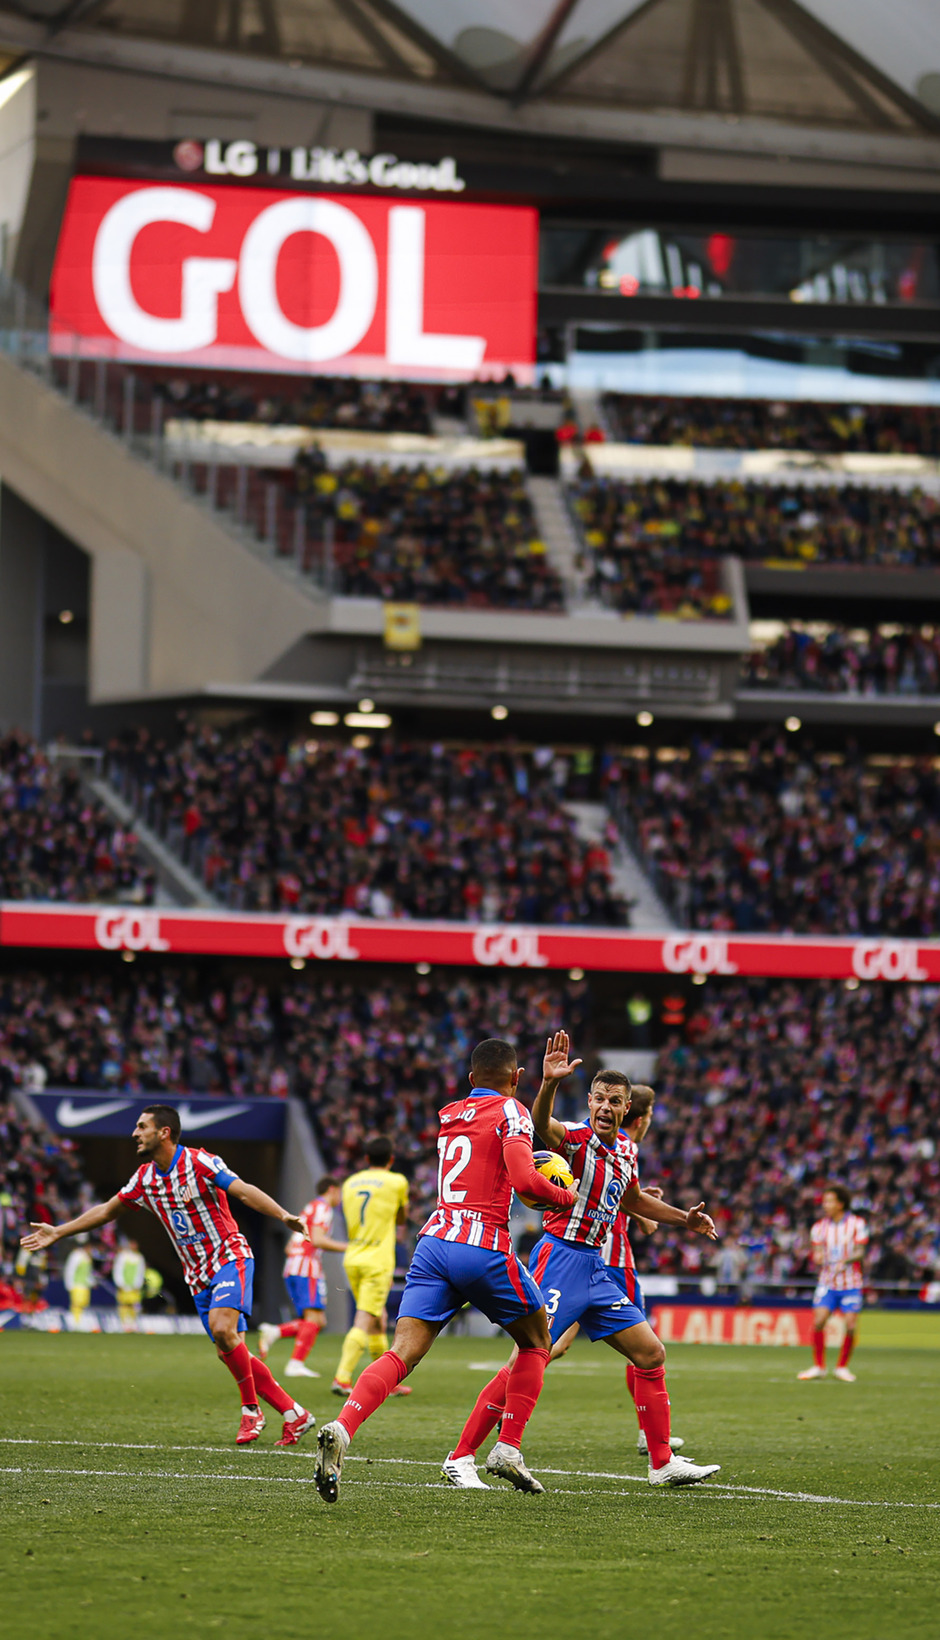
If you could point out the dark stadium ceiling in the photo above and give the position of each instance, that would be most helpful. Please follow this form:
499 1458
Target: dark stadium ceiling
855 64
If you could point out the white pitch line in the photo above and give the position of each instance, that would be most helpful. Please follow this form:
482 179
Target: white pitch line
729 1489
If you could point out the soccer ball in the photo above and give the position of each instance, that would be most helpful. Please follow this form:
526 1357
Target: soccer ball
552 1167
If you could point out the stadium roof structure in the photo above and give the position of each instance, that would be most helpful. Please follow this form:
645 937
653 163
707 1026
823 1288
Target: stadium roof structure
854 65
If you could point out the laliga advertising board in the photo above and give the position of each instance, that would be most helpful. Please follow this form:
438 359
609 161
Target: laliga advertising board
261 279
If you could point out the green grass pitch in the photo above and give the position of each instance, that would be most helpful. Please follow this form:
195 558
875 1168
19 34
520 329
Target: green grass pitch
127 1510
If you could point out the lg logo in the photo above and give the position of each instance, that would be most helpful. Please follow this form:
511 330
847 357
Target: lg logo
697 954
325 938
889 959
507 947
129 931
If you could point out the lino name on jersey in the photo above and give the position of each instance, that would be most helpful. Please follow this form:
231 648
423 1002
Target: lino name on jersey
190 1201
474 1191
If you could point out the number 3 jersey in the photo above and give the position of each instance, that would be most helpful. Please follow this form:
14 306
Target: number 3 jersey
602 1177
189 1200
474 1190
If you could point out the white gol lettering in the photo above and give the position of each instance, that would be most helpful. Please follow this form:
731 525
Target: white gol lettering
700 954
325 938
202 277
129 931
407 342
358 279
890 959
512 948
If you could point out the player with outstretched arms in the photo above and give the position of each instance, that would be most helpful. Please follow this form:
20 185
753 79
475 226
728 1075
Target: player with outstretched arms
303 1278
187 1190
569 1268
465 1255
839 1240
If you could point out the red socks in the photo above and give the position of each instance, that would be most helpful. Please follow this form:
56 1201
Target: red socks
268 1387
523 1389
652 1407
819 1346
289 1329
306 1338
848 1345
373 1387
485 1415
631 1385
240 1365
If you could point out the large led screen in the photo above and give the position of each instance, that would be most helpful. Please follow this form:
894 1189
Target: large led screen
248 278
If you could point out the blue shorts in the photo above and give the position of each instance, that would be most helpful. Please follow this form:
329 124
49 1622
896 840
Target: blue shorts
231 1289
629 1283
446 1275
827 1298
578 1286
305 1294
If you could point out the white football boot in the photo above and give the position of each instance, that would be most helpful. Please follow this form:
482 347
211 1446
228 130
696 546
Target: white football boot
681 1472
268 1334
332 1443
844 1375
462 1473
507 1462
297 1369
812 1372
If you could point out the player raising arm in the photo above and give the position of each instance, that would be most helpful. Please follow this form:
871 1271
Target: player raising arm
568 1267
187 1190
465 1255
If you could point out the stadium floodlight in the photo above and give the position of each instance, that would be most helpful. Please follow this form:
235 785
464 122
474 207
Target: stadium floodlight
367 720
644 719
66 617
366 706
500 713
324 720
793 724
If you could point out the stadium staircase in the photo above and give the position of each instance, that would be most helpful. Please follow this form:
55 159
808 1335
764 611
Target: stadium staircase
628 878
176 884
557 531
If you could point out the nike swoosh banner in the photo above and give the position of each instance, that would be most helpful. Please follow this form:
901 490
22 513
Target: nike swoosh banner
112 1115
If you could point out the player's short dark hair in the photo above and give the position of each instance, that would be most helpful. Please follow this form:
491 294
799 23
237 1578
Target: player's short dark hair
327 1183
493 1061
165 1116
612 1079
379 1150
642 1100
841 1190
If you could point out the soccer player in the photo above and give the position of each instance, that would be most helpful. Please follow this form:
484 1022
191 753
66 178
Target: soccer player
375 1202
128 1273
77 1277
578 1286
465 1255
303 1278
839 1240
187 1190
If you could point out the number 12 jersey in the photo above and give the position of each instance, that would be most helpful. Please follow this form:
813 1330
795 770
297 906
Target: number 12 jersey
474 1190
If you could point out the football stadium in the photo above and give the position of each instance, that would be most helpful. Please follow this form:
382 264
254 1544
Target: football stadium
469 818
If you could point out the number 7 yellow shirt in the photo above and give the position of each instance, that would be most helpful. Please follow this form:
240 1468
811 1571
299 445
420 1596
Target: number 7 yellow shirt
372 1201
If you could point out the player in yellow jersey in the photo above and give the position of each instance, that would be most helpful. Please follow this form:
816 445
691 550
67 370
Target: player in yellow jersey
375 1201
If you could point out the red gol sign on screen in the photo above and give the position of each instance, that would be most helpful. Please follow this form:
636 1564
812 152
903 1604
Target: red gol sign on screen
262 279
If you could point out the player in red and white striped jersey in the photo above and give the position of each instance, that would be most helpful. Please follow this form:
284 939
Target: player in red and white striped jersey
568 1267
187 1190
839 1240
303 1278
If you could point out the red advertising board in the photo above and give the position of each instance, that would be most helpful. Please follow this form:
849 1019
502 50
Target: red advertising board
485 945
260 278
719 1324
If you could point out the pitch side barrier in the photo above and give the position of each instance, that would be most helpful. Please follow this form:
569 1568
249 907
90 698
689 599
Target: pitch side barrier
484 945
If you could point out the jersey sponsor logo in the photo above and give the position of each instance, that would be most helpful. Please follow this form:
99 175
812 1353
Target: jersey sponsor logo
887 959
324 937
129 931
508 948
700 954
70 1115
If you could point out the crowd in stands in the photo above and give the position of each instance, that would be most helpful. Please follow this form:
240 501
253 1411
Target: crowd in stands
308 401
41 1181
56 842
638 558
840 660
463 536
780 837
770 1089
684 522
778 1087
761 424
388 829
